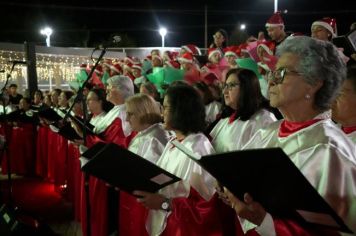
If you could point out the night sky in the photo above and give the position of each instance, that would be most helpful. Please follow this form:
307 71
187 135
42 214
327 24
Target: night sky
90 23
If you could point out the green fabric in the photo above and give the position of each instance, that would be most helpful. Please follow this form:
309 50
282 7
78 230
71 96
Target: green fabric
146 65
105 78
250 64
81 77
162 76
74 85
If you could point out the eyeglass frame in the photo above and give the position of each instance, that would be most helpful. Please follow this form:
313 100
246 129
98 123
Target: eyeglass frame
283 71
230 86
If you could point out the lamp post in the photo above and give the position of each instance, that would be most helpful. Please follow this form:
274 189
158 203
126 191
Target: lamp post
47 31
163 33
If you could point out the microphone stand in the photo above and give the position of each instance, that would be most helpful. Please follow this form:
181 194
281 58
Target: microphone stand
7 136
85 122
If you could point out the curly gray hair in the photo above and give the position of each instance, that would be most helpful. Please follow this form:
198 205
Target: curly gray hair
124 83
318 61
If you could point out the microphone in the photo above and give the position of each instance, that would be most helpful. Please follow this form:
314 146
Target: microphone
18 62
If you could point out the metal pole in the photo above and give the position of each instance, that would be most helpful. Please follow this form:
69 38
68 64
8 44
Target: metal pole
30 53
275 5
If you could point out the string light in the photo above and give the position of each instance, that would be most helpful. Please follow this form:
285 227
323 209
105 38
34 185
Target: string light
57 68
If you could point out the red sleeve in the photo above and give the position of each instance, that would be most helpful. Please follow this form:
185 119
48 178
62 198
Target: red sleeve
113 134
195 216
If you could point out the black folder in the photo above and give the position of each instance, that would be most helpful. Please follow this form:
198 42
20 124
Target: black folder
347 42
272 179
21 116
49 114
62 127
68 132
89 127
126 170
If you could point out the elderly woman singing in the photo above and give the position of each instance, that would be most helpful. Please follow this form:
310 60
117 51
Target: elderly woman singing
306 81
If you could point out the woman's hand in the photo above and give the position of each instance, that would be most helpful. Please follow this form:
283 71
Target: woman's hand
150 200
247 209
222 195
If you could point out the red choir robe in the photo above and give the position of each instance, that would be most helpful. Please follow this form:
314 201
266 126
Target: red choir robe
315 147
149 144
74 179
196 209
42 151
57 154
21 150
112 127
21 144
231 133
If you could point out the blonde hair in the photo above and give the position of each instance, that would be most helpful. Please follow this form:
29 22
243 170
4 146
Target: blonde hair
145 108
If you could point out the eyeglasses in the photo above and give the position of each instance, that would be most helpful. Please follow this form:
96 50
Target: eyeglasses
230 86
277 76
217 36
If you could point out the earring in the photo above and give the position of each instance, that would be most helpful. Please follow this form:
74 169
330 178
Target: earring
307 96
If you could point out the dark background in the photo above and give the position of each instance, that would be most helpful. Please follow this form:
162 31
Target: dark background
87 24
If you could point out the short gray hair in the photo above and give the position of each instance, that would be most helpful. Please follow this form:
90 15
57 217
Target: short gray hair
124 83
318 61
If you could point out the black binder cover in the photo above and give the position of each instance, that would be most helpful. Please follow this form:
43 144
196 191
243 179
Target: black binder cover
68 132
124 169
273 180
49 114
21 116
347 42
89 127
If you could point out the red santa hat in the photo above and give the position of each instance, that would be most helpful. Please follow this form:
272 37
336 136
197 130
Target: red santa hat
275 20
328 23
192 49
137 66
173 64
267 46
269 63
98 69
186 58
107 62
212 51
117 68
242 48
231 51
128 66
129 60
83 67
171 55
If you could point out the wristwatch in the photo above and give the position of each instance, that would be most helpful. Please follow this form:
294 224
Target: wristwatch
166 205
